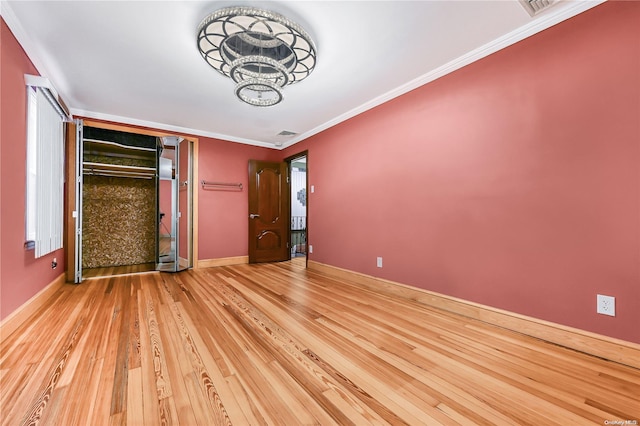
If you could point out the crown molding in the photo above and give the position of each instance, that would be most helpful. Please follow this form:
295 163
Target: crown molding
170 129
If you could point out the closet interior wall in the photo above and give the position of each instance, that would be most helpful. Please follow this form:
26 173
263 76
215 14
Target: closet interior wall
119 202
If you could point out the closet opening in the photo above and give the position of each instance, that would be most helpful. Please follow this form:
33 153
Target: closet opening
119 202
134 202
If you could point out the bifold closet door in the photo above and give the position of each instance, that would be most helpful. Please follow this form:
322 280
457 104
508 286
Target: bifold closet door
74 155
184 216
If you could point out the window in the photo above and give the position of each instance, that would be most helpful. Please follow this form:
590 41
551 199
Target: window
45 167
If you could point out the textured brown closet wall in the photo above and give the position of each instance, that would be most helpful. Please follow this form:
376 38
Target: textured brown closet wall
118 221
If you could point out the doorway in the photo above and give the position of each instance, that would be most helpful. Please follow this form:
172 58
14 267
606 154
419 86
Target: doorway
298 229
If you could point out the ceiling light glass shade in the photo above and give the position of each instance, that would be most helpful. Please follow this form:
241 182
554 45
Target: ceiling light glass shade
261 51
259 92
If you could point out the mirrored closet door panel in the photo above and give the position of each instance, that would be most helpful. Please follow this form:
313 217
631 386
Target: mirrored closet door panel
175 195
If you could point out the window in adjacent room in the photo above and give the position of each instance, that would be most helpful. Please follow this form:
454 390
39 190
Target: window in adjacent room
45 167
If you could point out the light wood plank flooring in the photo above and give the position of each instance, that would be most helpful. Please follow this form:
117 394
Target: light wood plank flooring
279 345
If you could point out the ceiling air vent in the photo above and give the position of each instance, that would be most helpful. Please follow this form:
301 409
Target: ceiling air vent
533 7
287 133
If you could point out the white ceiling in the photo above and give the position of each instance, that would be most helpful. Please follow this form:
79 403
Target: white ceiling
136 62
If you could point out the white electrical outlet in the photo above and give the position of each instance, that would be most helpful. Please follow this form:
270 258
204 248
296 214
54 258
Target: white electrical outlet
606 305
379 262
310 249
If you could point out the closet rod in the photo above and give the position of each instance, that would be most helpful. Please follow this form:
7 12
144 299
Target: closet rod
117 170
106 173
221 185
117 167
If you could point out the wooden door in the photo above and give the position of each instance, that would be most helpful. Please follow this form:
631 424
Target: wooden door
268 211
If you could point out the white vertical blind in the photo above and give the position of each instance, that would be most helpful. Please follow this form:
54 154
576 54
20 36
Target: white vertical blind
45 171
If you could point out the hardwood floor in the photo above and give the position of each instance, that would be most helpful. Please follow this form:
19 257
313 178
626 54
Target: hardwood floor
277 344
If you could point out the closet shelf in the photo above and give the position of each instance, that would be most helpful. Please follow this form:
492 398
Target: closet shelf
118 145
117 170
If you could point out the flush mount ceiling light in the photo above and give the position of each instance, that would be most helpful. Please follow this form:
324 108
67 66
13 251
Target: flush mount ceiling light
261 51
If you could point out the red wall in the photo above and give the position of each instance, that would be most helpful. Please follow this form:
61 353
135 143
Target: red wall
513 182
223 215
21 275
